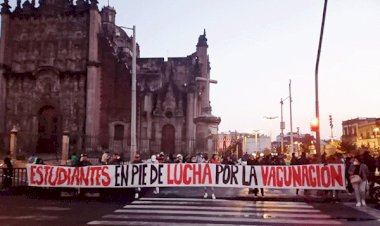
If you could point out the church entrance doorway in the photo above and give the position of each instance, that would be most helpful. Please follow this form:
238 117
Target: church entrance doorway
168 139
48 130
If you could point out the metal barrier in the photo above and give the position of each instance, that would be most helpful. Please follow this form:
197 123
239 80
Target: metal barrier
19 177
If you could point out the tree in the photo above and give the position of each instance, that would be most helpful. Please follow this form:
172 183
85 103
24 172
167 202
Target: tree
347 147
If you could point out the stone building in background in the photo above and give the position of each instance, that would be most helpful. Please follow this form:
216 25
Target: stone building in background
66 67
362 132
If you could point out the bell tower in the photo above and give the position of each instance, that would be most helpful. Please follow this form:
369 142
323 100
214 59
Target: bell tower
108 14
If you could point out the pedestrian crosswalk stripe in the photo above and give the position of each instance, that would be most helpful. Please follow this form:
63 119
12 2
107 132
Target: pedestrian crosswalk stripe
241 214
220 208
186 203
197 219
193 211
222 200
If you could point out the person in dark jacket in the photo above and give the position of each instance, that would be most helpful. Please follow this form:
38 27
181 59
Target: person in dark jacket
303 160
7 171
116 159
84 161
252 160
370 162
348 161
294 159
228 160
266 161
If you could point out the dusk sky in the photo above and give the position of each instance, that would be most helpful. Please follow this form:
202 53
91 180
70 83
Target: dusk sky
256 46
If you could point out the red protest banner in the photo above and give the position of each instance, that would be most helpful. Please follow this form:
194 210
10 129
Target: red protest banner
316 176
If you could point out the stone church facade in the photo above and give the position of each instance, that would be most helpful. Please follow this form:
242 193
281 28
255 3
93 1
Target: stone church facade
65 68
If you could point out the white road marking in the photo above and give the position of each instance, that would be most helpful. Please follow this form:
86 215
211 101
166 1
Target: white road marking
241 214
155 218
194 211
285 205
222 200
223 208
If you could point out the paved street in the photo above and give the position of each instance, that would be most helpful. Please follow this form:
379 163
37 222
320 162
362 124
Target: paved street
186 206
234 207
164 211
23 210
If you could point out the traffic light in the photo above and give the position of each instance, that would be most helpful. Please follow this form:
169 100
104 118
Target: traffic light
331 122
314 124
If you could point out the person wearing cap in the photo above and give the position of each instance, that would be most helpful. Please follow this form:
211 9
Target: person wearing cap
137 160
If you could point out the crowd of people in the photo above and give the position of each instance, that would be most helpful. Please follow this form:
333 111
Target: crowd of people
360 169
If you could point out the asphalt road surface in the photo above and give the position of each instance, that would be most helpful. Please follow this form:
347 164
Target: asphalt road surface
184 206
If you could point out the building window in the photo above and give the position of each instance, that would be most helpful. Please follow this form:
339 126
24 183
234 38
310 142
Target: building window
119 132
169 114
153 135
145 132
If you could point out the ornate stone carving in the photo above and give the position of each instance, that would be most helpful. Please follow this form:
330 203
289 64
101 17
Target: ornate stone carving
170 100
48 84
26 95
158 109
179 110
46 41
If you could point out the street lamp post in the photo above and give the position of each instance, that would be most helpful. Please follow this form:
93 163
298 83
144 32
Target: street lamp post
317 133
291 117
282 124
133 101
282 127
133 114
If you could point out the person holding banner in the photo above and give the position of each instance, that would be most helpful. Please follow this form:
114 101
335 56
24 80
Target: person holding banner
213 160
84 161
106 157
153 160
179 159
253 161
137 160
303 160
359 174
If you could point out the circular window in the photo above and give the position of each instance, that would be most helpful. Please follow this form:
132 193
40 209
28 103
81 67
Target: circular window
169 114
